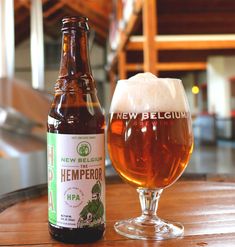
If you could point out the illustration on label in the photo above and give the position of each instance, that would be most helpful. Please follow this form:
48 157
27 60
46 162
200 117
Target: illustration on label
93 212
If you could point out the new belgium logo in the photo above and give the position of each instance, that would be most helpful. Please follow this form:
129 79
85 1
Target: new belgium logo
83 149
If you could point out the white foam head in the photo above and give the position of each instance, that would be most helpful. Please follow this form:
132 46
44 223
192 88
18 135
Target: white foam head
145 92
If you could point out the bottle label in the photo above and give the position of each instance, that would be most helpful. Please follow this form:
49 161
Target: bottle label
76 180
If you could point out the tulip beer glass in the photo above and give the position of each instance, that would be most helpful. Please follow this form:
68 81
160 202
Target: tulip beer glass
150 141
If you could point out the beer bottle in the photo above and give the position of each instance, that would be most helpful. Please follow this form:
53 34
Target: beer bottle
75 138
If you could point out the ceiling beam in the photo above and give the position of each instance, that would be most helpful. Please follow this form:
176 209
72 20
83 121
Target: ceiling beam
100 30
21 15
53 9
97 12
102 8
17 5
21 3
24 32
82 9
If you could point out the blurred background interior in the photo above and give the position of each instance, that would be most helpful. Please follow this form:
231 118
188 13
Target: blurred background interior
192 40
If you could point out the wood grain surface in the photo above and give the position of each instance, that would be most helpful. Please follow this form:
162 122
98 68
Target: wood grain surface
207 210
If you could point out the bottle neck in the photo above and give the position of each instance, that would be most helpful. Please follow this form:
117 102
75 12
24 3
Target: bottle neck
75 62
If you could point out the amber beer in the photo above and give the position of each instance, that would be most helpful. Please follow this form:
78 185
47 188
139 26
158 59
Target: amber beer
76 186
150 149
150 141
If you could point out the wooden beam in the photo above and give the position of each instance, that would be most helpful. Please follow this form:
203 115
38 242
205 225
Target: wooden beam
24 31
22 28
119 10
121 54
112 79
186 42
21 3
53 9
94 22
125 34
149 30
25 3
58 15
101 7
21 15
134 18
17 5
78 6
181 66
196 45
177 66
122 65
134 67
94 8
135 45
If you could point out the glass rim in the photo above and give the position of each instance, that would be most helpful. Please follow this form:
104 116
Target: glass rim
150 80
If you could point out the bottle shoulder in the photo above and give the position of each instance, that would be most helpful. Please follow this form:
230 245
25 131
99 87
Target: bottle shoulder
76 120
80 82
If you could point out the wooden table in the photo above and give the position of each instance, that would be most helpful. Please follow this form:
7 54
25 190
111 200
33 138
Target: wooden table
207 210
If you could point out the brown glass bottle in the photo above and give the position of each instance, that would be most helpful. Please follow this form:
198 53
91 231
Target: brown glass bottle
75 111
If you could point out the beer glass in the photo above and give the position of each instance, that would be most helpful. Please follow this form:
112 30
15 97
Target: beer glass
150 141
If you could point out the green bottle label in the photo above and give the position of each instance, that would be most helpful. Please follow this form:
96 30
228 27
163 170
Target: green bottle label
76 180
51 165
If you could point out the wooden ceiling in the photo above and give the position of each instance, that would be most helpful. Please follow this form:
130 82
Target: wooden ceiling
194 17
174 17
98 13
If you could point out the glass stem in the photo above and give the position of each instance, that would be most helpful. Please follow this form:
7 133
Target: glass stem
149 201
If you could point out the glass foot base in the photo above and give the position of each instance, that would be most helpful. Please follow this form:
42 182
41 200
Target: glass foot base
149 228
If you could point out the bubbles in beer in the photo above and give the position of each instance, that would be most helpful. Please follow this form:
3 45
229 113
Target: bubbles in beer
145 92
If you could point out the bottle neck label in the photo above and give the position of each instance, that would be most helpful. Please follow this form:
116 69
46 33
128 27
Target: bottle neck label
76 180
